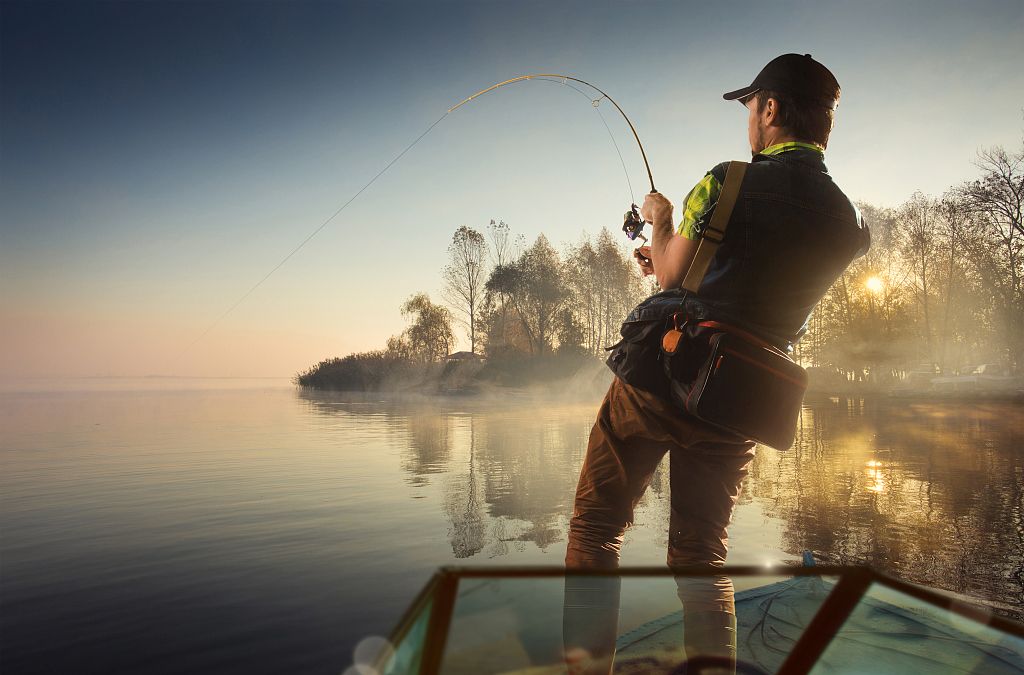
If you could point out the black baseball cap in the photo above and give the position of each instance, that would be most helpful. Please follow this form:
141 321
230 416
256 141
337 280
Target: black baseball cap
797 75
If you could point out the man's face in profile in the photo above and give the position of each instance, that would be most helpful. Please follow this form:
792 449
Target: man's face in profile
756 125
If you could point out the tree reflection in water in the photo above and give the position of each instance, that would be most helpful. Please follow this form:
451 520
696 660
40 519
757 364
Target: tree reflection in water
430 446
931 492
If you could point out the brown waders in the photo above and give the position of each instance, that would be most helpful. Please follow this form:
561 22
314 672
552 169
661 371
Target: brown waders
633 431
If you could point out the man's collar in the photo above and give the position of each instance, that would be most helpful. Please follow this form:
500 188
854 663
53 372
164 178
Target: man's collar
785 146
794 152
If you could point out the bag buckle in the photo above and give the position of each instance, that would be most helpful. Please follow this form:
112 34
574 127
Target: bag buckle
671 338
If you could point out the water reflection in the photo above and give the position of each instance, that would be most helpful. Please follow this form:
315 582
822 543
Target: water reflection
929 492
430 442
506 477
259 531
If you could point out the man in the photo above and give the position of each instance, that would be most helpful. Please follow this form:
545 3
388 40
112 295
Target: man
791 234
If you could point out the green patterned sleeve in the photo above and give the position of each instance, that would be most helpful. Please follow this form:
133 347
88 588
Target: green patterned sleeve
701 198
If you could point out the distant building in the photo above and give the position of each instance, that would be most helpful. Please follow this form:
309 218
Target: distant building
463 357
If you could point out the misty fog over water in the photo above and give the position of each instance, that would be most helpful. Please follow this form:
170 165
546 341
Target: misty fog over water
269 529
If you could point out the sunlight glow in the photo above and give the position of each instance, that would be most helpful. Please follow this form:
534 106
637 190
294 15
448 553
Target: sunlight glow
875 284
876 481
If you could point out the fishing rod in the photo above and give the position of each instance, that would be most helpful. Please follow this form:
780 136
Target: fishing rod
632 225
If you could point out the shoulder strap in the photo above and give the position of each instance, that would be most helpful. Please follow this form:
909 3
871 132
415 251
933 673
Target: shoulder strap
715 231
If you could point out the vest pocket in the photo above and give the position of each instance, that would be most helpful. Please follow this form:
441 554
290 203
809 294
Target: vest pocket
634 358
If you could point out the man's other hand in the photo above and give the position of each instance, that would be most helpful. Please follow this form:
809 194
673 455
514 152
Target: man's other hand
643 258
656 209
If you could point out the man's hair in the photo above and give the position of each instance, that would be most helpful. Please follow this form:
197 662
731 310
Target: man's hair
804 120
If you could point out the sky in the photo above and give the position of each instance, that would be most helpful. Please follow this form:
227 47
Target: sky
158 159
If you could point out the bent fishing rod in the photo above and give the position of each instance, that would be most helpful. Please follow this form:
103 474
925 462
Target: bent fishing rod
632 225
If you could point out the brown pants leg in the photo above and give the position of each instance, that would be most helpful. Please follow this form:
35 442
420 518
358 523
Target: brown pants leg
634 430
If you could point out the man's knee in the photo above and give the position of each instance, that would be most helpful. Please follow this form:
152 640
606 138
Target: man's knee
694 546
595 540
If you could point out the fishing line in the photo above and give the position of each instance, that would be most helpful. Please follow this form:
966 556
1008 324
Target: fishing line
306 240
632 226
595 102
557 76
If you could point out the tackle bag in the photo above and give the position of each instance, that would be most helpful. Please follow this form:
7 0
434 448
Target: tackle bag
733 380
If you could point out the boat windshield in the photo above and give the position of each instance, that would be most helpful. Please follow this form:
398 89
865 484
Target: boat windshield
730 620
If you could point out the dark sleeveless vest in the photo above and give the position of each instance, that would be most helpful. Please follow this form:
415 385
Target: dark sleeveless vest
791 234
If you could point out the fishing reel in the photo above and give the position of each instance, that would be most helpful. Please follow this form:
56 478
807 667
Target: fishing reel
633 225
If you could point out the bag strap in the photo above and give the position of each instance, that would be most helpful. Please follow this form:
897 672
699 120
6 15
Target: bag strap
745 335
715 231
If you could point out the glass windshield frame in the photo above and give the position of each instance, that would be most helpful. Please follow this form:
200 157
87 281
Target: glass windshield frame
439 596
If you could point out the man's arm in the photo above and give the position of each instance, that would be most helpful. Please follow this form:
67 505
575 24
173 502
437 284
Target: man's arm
671 254
672 250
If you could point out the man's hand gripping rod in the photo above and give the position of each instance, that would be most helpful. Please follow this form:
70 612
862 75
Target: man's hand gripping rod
633 226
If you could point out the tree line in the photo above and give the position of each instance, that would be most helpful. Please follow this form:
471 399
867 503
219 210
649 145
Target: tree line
535 313
940 290
510 297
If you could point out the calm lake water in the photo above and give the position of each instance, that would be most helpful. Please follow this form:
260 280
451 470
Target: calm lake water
167 526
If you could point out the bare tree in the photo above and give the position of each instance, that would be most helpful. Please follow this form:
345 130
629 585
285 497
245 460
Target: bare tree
953 225
918 242
1000 191
464 277
501 242
605 284
501 333
996 201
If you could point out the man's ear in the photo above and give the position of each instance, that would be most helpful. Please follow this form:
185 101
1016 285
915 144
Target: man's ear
770 112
